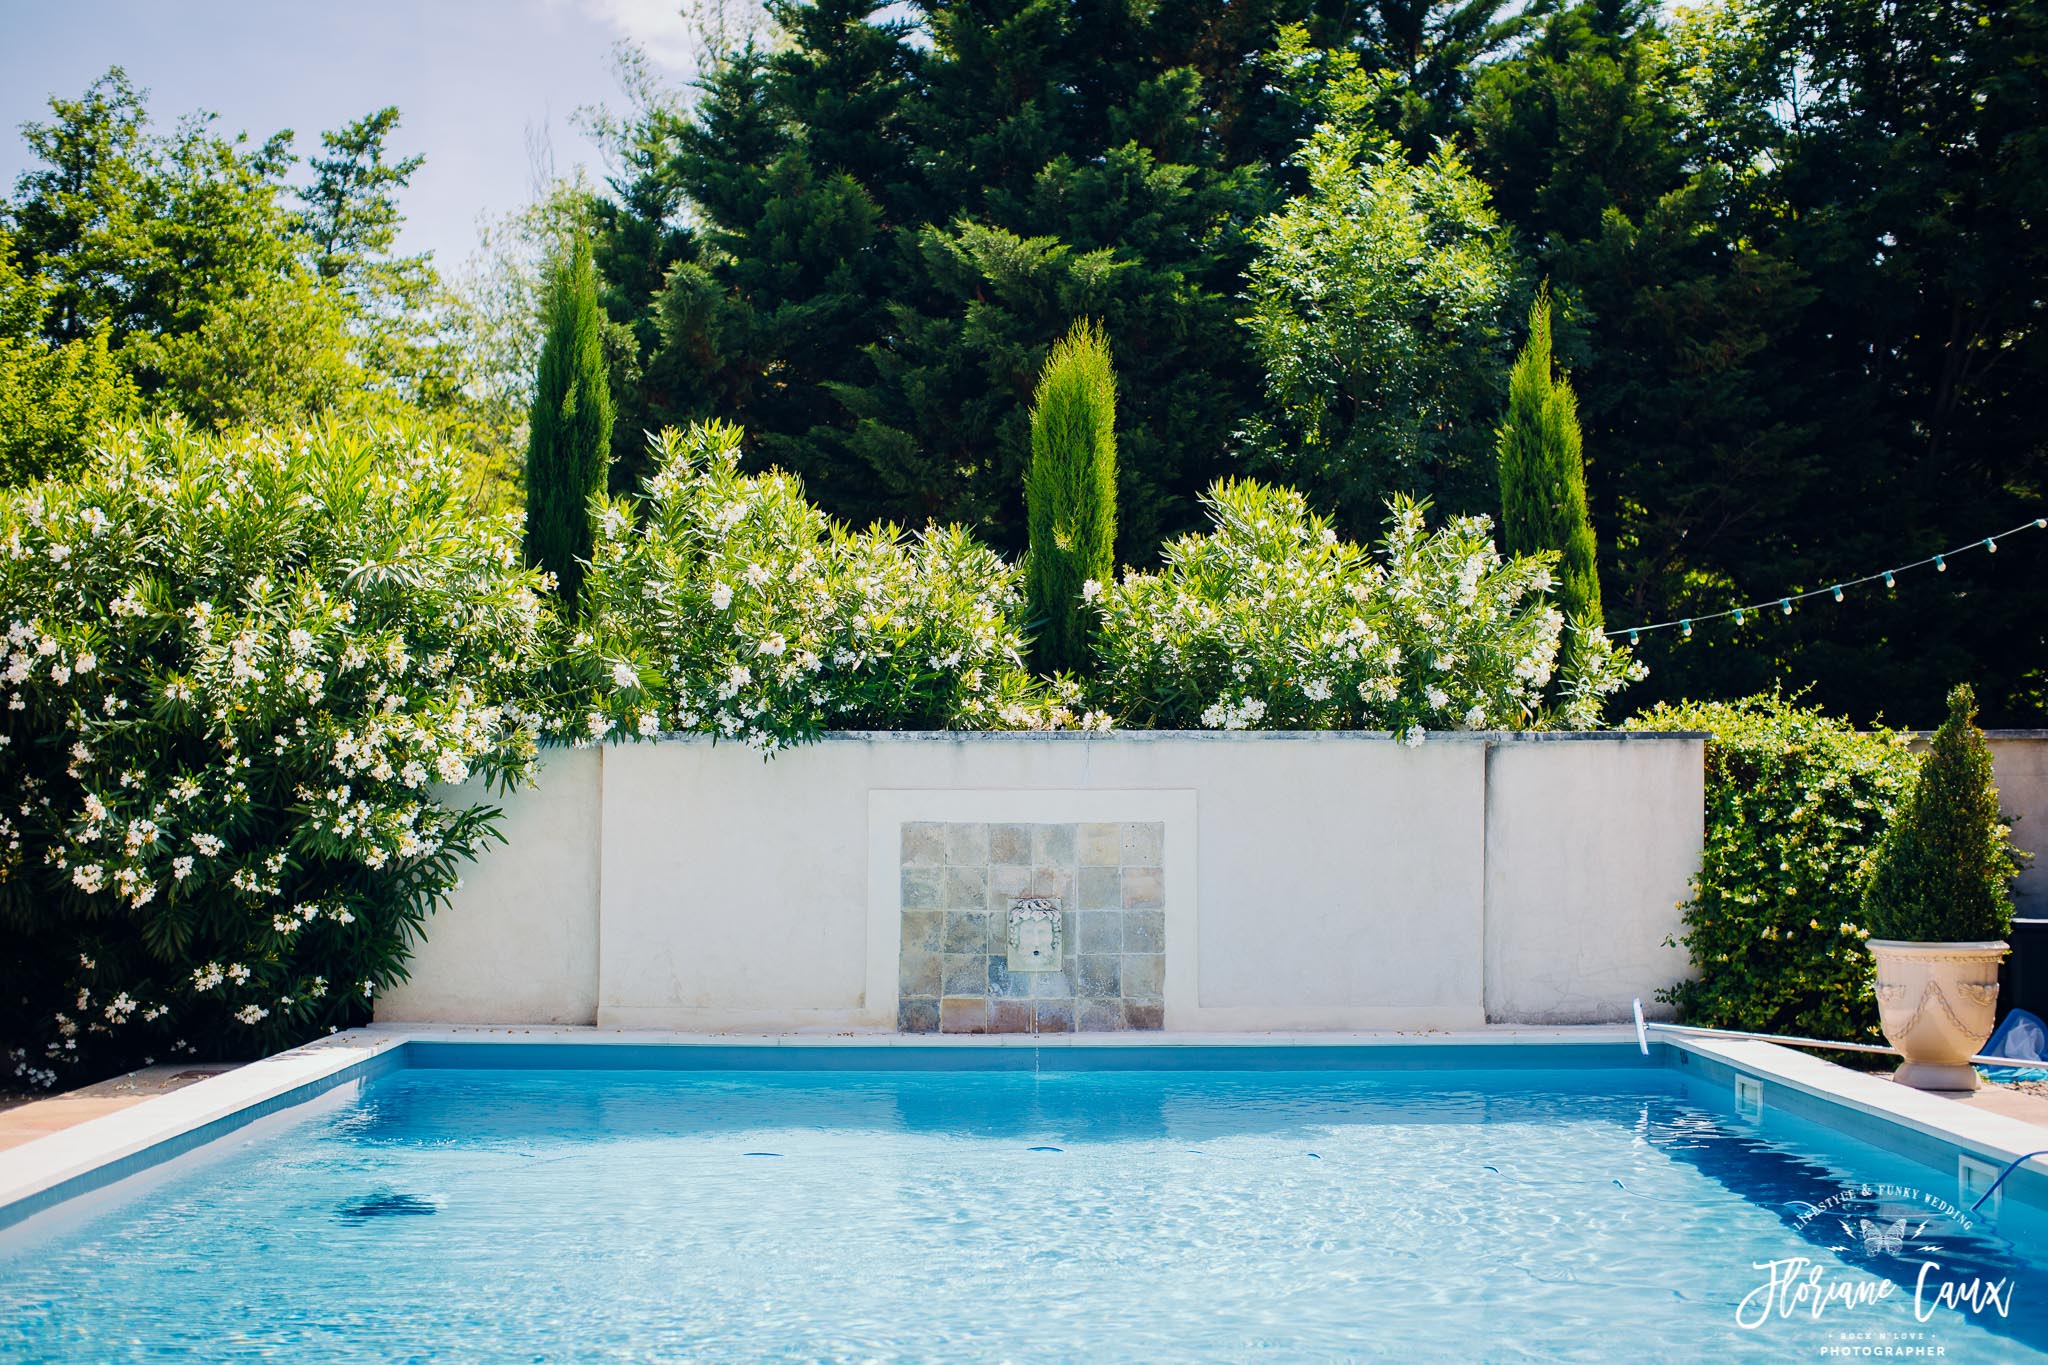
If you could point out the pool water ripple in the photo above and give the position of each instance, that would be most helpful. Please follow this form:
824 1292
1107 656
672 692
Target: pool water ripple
449 1214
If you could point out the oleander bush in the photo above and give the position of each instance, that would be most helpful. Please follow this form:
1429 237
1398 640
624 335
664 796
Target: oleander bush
235 670
1271 621
726 604
1796 803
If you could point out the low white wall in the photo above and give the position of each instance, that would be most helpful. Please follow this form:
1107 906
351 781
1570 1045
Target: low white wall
1317 881
2019 765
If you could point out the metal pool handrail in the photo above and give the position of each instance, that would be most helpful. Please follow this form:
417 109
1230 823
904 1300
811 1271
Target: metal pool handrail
1820 1044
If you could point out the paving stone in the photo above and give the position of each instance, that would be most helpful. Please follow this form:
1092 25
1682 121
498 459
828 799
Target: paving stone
1055 1016
1102 888
1098 976
1053 883
1144 843
1144 975
1004 983
1144 888
1144 931
924 930
1009 1016
1049 985
922 888
1144 1015
924 843
917 1016
1098 1016
966 974
966 888
966 931
918 973
1009 843
1100 846
967 845
967 1015
1053 845
1101 931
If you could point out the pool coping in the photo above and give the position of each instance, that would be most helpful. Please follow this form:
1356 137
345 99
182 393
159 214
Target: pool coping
49 1170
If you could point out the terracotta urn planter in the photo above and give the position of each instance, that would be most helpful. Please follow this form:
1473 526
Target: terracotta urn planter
1937 1003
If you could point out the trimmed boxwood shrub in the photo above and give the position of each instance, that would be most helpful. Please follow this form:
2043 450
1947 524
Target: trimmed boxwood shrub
1795 802
1945 867
232 670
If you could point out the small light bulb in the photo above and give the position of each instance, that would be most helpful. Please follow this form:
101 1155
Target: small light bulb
1785 605
2041 523
1738 616
1838 592
1686 628
1991 544
1631 637
1940 564
1889 581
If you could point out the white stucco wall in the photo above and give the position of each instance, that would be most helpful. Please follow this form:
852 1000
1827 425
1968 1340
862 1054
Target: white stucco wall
1577 918
2019 764
1312 881
519 942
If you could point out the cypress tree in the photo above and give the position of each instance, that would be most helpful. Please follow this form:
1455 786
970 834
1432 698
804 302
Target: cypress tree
1944 869
569 430
1543 477
1070 494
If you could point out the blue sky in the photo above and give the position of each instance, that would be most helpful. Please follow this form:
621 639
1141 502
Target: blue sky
469 77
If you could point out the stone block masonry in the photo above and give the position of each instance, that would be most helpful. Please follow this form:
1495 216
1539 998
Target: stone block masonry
959 882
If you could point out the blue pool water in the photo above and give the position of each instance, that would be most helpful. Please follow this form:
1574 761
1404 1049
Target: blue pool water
451 1214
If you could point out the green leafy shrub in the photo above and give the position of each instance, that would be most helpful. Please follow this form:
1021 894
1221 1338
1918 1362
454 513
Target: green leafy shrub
233 671
1272 622
1070 496
1944 869
1795 802
733 607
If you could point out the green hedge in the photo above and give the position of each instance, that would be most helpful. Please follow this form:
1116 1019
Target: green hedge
1796 802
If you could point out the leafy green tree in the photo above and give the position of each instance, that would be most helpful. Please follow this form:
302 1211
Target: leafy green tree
224 293
1070 496
351 216
1543 479
53 398
1379 302
1799 234
569 432
1944 869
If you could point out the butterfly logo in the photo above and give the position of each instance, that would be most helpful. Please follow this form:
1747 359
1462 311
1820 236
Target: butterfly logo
1879 1240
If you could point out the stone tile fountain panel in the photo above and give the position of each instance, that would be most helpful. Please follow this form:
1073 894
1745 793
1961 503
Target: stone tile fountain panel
960 882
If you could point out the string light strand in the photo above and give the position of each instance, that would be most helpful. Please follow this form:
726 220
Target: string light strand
1684 624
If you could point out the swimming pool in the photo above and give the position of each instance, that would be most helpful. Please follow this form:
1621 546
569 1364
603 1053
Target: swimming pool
470 1202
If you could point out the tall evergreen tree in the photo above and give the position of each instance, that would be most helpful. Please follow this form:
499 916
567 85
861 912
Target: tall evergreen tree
1070 495
1543 478
890 219
569 432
